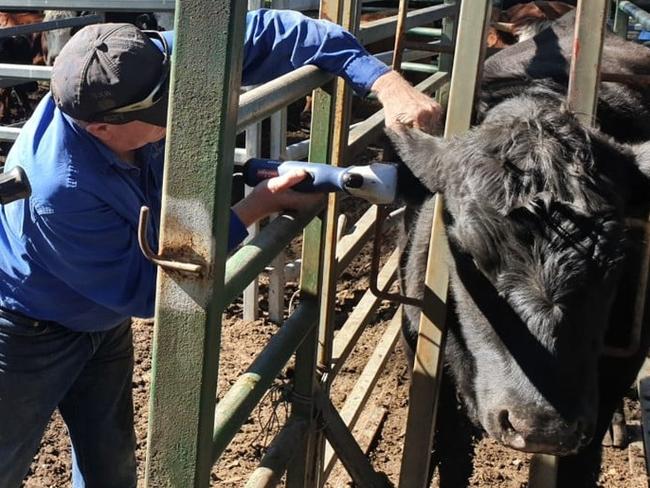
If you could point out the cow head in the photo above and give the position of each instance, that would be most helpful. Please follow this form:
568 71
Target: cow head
535 205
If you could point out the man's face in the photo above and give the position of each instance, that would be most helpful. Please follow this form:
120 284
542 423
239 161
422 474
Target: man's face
126 137
134 135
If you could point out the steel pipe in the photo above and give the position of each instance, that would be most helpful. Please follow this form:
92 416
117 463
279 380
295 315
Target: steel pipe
254 256
242 397
385 28
50 25
640 15
25 71
101 5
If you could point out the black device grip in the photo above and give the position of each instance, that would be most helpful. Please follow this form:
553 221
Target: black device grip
14 185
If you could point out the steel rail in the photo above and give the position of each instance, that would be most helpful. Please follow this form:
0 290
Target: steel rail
49 25
244 395
637 13
101 5
251 259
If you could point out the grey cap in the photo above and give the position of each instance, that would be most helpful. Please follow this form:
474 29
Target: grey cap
109 66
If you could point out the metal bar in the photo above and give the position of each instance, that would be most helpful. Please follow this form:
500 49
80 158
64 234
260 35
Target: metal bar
49 25
425 31
363 388
637 13
420 67
278 455
584 73
385 28
399 35
243 396
270 97
9 133
251 259
25 71
347 337
195 221
303 473
448 36
277 278
251 292
621 21
427 370
101 5
355 461
543 471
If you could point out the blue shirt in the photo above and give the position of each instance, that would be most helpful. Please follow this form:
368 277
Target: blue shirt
69 253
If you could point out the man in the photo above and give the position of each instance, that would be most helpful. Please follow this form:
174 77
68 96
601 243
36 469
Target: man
71 272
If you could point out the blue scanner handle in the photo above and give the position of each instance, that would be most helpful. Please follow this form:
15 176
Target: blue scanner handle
320 177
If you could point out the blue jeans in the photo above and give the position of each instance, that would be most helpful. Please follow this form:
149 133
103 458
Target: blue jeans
87 375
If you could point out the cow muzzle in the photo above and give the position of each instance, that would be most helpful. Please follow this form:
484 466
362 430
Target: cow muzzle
535 430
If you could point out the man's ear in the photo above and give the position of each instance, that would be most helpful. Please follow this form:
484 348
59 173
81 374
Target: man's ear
420 152
99 129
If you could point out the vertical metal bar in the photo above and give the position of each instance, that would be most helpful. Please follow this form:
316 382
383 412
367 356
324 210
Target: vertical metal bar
253 148
621 21
195 219
427 370
251 293
582 97
584 75
302 473
400 34
277 278
448 36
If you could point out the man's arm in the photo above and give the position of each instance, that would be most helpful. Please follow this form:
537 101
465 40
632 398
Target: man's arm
279 41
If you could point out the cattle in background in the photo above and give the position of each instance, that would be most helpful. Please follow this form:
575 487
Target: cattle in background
535 209
21 49
523 21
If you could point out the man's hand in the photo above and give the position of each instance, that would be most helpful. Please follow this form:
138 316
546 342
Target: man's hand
274 195
403 104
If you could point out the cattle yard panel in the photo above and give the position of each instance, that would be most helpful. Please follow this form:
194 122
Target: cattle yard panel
629 9
102 5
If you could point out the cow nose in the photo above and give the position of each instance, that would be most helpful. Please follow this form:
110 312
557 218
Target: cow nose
540 431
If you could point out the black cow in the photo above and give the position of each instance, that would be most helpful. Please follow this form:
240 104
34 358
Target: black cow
535 209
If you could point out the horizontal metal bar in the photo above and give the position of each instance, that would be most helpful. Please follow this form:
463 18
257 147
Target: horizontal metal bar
419 67
50 25
425 31
256 254
100 5
9 133
385 28
25 71
637 13
258 103
242 397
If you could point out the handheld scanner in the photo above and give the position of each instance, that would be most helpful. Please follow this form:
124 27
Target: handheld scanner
376 183
14 185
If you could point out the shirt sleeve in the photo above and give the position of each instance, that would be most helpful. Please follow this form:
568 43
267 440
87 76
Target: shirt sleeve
279 41
237 231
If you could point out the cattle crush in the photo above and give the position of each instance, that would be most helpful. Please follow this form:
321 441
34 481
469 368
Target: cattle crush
188 430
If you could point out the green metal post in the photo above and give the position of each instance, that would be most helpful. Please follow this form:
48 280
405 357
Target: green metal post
448 36
198 169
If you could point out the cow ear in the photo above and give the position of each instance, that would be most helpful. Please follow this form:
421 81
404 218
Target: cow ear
420 153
